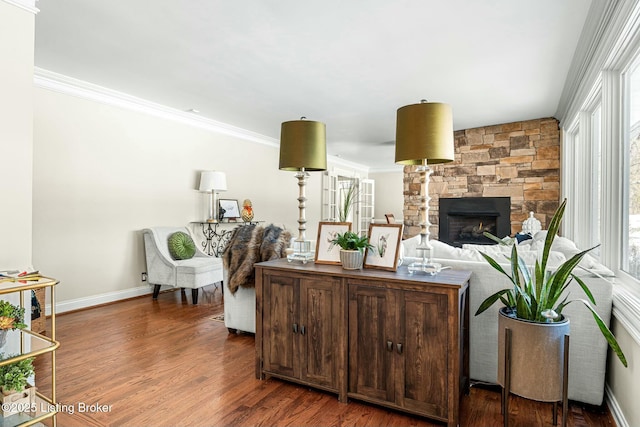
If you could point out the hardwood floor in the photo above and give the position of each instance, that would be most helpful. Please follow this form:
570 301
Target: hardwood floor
167 363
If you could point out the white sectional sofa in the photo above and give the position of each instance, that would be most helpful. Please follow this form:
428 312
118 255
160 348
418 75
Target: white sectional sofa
588 348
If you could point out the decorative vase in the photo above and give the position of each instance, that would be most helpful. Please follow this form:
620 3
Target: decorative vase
247 211
351 260
537 356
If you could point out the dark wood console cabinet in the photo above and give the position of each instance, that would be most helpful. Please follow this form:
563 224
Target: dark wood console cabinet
389 338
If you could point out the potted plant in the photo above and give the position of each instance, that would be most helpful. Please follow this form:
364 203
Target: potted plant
347 202
13 385
11 317
536 299
352 247
13 376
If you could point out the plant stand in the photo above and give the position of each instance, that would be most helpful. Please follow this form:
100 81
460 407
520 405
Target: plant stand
507 382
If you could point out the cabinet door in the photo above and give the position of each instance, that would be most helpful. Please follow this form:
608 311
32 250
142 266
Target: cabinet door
281 325
319 330
372 314
422 370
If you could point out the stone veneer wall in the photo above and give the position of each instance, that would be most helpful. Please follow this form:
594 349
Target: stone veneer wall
520 160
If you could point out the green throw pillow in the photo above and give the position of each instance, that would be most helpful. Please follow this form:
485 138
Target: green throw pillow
181 246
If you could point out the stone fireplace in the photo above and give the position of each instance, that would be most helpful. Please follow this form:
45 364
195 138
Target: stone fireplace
519 160
464 220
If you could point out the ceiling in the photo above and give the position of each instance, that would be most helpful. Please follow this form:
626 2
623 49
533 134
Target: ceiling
349 64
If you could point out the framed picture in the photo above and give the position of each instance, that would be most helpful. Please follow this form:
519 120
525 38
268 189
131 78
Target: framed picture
231 208
327 252
385 239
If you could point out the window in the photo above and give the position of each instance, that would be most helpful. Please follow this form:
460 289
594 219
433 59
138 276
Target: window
596 164
631 221
582 176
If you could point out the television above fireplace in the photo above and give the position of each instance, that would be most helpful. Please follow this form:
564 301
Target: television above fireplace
465 219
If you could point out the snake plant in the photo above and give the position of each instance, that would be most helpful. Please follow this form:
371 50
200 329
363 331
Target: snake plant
538 296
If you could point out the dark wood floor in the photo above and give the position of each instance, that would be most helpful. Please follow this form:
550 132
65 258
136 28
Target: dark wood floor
167 363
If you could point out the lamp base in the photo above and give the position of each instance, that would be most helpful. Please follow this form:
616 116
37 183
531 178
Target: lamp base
431 268
301 252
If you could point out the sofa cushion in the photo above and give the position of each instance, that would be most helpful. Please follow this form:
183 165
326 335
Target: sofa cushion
569 249
408 249
181 246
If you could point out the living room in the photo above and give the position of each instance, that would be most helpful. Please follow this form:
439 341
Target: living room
92 165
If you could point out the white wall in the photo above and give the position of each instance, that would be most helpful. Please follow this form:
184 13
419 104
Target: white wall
388 193
16 135
623 382
103 173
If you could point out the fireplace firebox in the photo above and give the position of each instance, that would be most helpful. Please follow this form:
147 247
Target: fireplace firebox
465 219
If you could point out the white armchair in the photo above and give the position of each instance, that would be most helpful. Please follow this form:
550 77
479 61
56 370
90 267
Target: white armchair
163 270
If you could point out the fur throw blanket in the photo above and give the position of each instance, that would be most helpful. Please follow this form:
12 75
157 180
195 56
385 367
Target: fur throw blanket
248 245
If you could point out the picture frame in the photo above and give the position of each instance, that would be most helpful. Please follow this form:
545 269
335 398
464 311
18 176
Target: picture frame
326 252
231 208
385 239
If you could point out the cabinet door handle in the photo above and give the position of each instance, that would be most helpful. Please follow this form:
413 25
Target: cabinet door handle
302 329
399 347
389 346
295 328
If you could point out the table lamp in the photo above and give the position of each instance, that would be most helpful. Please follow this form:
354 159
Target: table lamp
424 136
212 182
302 149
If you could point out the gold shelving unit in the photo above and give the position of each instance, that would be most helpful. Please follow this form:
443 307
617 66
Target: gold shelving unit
25 343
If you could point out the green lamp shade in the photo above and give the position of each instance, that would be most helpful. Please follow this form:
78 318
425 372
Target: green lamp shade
424 132
303 145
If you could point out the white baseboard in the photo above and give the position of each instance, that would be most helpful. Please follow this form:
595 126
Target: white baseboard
80 303
616 411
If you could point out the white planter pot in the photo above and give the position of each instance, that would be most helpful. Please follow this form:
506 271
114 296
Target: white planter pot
351 260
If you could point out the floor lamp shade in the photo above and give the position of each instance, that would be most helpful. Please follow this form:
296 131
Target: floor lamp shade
424 132
303 146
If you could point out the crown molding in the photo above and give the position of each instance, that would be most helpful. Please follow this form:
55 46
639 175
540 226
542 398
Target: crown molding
609 26
70 86
585 65
339 161
56 82
28 5
388 169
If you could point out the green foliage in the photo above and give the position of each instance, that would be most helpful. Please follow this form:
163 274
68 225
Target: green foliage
347 202
352 241
11 316
13 376
534 293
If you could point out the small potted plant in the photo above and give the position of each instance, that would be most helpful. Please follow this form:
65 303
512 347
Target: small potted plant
352 247
11 316
13 385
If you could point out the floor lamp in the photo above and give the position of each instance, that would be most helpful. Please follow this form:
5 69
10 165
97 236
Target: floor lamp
212 182
302 149
424 136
